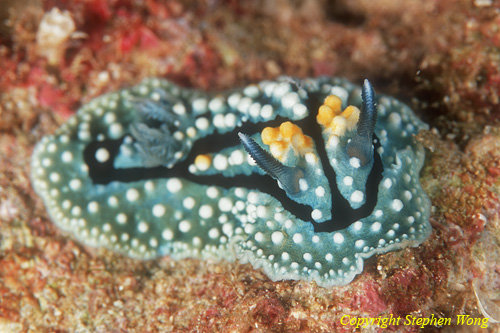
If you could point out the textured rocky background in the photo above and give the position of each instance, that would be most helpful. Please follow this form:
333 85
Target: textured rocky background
440 57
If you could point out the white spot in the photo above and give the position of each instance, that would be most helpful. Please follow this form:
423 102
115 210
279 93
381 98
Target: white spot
357 196
115 130
379 213
102 155
191 132
307 256
254 110
227 229
64 138
84 135
261 211
387 183
285 256
251 91
359 243
159 210
225 204
75 184
206 211
76 211
179 108
54 177
46 162
214 233
66 204
93 207
303 185
394 119
230 120
82 223
299 110
212 192
174 185
333 141
408 195
338 238
315 239
239 206
311 158
218 120
220 162
339 91
376 226
316 214
202 123
197 241
236 157
216 104
319 191
112 104
290 99
188 203
391 233
259 236
249 228
233 100
199 105
357 225
153 242
397 205
167 234
125 237
411 219
329 257
149 186
184 226
121 218
67 157
106 227
132 194
223 218
266 111
345 261
179 136
113 201
355 162
297 238
253 197
406 177
347 180
143 227
52 147
277 237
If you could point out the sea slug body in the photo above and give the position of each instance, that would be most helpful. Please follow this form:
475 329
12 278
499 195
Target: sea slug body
274 174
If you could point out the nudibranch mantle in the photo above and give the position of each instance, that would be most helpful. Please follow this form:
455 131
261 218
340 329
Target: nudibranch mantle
158 170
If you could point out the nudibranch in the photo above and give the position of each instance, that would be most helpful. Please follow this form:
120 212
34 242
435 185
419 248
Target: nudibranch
282 174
